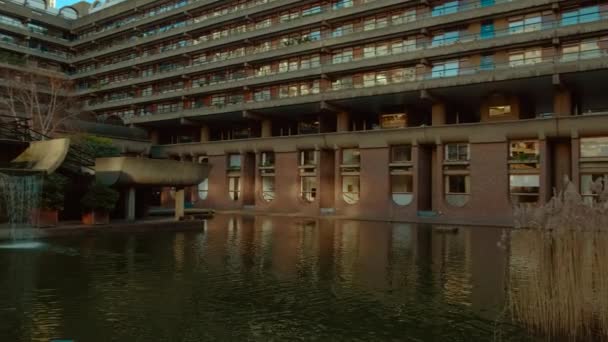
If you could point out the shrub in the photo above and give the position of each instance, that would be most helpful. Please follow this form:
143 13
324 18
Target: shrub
53 192
100 197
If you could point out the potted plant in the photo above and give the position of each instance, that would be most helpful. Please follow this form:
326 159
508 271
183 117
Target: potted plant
51 201
98 202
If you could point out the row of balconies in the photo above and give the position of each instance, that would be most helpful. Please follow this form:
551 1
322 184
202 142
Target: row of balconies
426 50
325 40
412 73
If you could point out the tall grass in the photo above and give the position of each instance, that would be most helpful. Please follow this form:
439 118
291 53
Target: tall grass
561 289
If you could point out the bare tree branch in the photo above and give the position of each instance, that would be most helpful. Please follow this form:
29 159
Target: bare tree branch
46 99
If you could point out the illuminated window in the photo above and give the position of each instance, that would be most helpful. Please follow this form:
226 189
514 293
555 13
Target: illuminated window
524 171
308 188
594 147
234 188
500 110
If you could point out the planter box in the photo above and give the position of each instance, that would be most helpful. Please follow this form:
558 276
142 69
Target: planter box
42 218
96 217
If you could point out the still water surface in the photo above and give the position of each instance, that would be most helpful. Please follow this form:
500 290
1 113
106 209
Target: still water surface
263 278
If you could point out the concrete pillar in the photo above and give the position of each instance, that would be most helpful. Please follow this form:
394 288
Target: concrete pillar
266 128
343 122
562 163
545 175
438 112
326 179
576 155
562 102
179 203
204 133
130 204
438 186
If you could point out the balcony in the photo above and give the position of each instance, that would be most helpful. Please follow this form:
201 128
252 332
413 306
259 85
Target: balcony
467 11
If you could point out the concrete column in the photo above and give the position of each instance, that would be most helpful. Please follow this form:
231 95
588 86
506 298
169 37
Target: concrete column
438 114
545 175
326 179
204 133
438 186
562 163
562 102
343 122
576 155
248 167
179 203
130 204
266 128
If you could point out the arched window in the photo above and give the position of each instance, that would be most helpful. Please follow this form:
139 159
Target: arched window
268 188
203 189
401 175
234 188
267 173
308 175
68 13
402 189
350 172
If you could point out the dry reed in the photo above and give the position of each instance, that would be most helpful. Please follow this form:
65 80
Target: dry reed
562 291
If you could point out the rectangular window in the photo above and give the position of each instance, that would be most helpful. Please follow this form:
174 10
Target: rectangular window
524 188
457 152
308 188
449 7
594 147
528 150
351 157
308 157
486 62
234 161
500 110
401 154
487 30
445 69
457 184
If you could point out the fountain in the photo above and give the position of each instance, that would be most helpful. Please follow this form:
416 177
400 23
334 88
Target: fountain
20 192
562 290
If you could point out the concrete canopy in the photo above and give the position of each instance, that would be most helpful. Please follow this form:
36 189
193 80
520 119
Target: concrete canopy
43 156
132 171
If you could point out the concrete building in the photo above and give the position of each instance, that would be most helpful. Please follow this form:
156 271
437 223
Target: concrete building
412 110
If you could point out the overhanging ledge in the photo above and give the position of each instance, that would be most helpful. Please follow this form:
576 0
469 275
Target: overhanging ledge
133 171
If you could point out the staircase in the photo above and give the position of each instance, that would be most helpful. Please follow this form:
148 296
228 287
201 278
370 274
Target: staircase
17 132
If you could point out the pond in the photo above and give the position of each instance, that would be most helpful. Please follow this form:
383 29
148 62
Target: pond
273 278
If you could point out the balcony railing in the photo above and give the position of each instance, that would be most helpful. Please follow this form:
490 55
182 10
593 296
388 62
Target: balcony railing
428 75
406 48
443 72
463 6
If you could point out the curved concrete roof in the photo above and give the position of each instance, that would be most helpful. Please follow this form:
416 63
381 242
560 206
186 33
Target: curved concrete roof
127 171
44 156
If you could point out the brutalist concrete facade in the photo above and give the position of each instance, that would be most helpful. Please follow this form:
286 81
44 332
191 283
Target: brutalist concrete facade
438 111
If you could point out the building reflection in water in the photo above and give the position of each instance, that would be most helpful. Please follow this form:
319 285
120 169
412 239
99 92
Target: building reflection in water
462 266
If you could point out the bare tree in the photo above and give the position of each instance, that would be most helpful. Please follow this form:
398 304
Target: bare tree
46 99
